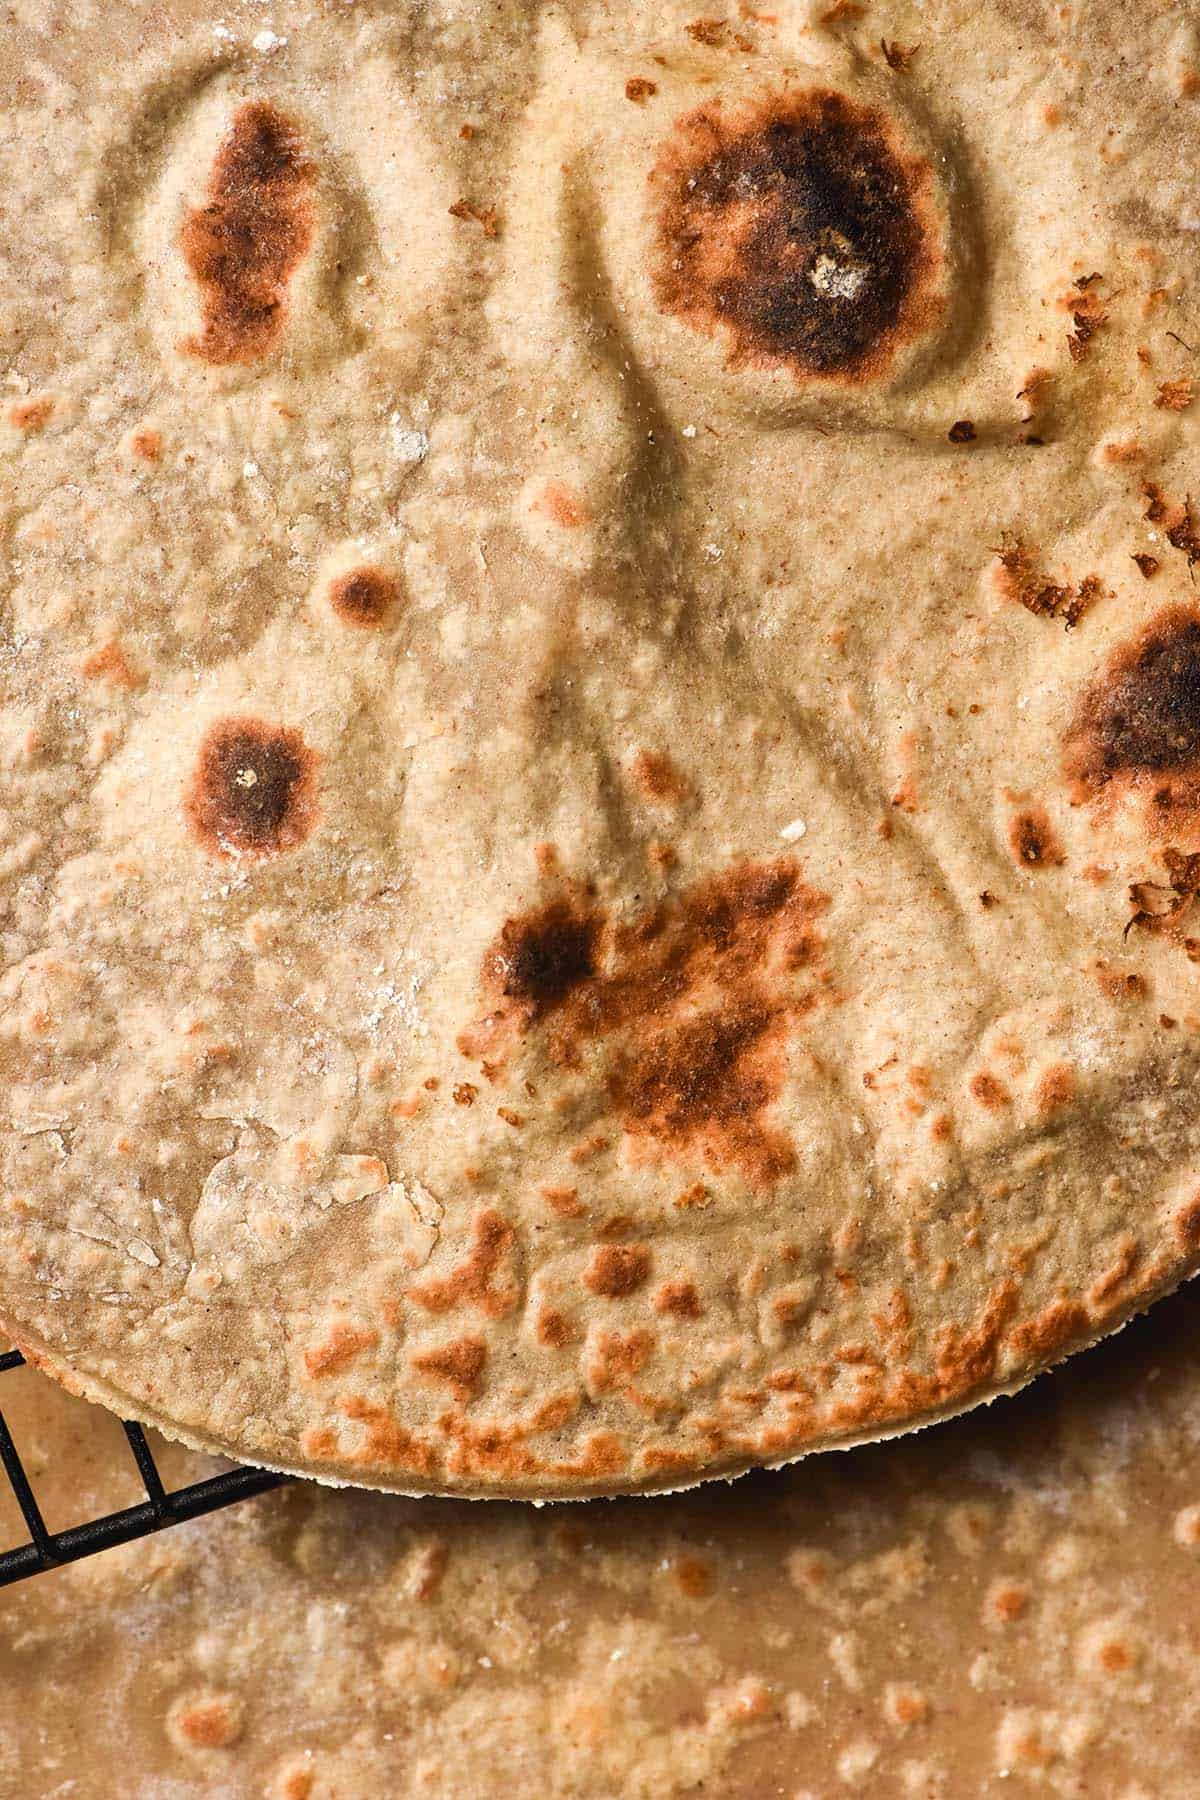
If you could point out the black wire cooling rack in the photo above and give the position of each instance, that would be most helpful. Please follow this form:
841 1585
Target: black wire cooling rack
51 1549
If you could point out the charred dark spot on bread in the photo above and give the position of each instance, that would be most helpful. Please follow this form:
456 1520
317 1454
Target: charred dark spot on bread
803 229
1164 906
244 245
1175 518
1138 725
540 959
1033 840
365 596
691 1004
1020 577
254 789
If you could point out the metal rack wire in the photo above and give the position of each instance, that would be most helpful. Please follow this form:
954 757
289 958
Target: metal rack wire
161 1507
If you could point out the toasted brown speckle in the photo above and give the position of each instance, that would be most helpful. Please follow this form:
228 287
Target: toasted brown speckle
553 1329
147 444
109 663
615 1272
678 1298
657 779
1175 396
990 1091
205 1721
460 1364
474 1281
1056 1088
31 415
560 503
339 1349
1006 1601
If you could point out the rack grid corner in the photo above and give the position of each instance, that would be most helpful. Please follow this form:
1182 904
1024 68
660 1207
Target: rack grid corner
162 1507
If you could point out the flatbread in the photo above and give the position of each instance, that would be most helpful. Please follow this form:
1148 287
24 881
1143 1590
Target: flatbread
600 721
1005 1604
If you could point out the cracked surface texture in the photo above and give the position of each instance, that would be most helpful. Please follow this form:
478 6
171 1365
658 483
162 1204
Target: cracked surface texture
597 720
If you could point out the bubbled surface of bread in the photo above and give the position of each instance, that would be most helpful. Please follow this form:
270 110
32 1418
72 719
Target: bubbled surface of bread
600 732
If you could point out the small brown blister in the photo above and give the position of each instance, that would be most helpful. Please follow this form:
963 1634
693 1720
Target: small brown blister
1033 840
147 444
990 1091
253 791
31 415
485 216
245 244
1175 396
657 779
1175 518
1056 1089
614 1272
1087 312
1162 906
109 663
364 596
338 1350
709 32
680 1299
803 231
1042 1337
896 56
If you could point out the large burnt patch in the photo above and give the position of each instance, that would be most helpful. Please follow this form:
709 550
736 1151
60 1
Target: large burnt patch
1137 726
804 230
683 1013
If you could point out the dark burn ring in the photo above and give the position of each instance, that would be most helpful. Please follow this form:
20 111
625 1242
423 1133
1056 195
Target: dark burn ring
254 789
804 230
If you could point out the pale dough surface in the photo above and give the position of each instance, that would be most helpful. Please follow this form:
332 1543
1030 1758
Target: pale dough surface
599 719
